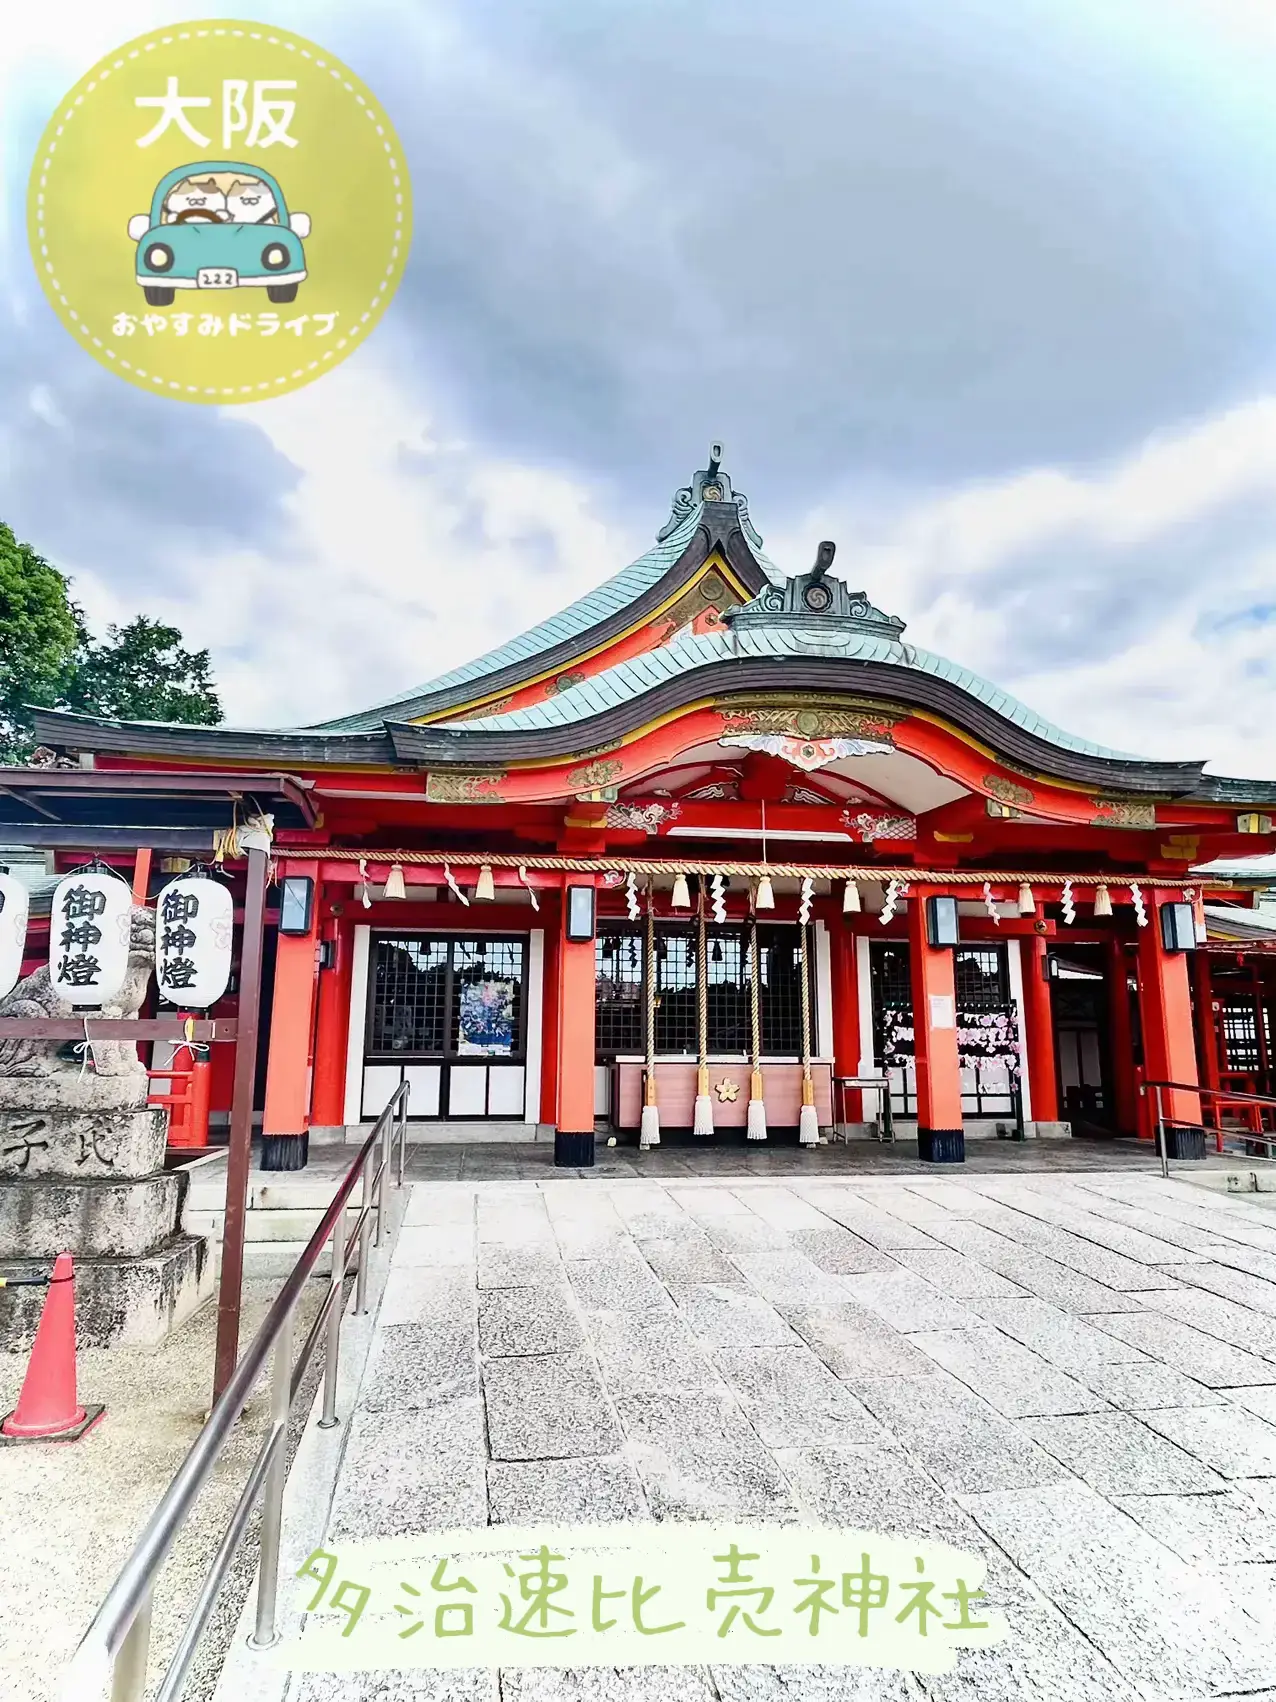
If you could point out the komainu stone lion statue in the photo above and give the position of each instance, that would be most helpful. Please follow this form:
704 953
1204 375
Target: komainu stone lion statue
34 998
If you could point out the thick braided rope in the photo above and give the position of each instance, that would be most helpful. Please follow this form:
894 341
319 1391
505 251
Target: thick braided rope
816 871
806 1006
651 991
702 990
755 997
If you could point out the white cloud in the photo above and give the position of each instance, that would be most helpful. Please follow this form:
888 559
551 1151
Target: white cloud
408 555
412 553
1176 534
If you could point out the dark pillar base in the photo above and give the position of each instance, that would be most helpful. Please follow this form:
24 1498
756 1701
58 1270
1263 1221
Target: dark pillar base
941 1146
1184 1143
573 1152
285 1152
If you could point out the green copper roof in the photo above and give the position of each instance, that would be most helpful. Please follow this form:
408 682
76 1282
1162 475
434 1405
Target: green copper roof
632 678
579 617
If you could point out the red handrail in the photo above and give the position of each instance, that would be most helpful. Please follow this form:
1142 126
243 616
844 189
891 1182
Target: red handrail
188 1111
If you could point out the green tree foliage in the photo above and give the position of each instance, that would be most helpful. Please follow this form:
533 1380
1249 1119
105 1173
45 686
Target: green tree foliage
48 657
142 673
40 632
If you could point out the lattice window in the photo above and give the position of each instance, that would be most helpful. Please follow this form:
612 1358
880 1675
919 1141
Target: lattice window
1240 1036
446 997
892 988
409 997
487 997
780 977
980 976
620 1007
677 1021
621 992
982 988
729 1003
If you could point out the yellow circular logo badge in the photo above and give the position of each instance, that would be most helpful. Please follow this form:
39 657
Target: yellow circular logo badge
219 212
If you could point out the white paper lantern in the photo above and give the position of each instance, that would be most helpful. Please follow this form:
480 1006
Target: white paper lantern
89 937
194 924
15 907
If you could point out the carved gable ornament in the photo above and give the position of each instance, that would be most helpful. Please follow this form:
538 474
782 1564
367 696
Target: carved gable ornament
1111 812
816 603
445 788
806 754
809 737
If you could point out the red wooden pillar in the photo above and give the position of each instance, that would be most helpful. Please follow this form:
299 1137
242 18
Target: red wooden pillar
1165 1005
286 1122
574 1119
1125 1096
940 1137
332 1030
1038 1018
1207 1030
549 1008
846 1010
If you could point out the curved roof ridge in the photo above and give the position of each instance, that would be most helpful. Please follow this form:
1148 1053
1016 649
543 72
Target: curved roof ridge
629 679
587 610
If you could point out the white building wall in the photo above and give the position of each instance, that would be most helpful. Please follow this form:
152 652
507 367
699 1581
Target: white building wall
358 1019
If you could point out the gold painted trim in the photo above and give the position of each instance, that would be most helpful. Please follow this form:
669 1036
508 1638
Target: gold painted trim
713 564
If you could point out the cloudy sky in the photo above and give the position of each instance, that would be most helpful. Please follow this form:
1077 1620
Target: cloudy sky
982 289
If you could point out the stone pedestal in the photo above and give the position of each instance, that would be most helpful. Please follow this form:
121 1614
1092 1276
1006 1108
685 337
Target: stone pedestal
82 1171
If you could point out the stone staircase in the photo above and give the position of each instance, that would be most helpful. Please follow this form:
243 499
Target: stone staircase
284 1209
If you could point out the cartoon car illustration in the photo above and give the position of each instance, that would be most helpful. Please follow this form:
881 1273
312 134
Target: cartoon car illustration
219 225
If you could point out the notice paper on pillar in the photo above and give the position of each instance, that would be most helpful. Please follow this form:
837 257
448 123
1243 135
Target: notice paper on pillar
942 1013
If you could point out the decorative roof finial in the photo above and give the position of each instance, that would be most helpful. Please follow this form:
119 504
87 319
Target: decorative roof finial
814 603
710 484
823 561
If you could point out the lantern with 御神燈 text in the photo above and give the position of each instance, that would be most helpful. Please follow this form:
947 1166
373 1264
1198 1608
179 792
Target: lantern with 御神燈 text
15 906
89 936
194 922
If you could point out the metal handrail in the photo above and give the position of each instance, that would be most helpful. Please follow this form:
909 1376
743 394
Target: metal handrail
1202 1092
111 1659
1214 1092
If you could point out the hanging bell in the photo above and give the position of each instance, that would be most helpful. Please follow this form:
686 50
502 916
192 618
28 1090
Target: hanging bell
1102 900
1027 905
851 900
681 894
764 897
394 887
486 888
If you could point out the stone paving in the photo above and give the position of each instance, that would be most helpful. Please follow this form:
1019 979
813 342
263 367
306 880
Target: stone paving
1073 1374
679 1157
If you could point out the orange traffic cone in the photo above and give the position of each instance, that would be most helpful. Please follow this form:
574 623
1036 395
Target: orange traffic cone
47 1409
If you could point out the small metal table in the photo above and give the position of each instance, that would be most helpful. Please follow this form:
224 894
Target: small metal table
880 1085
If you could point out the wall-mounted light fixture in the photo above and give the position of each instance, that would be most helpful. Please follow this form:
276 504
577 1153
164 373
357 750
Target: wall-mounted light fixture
296 904
1178 927
941 921
579 918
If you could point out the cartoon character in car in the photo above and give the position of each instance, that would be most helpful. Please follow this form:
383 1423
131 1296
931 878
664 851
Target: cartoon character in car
219 225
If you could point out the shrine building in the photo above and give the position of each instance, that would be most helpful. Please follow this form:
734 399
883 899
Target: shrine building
697 858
